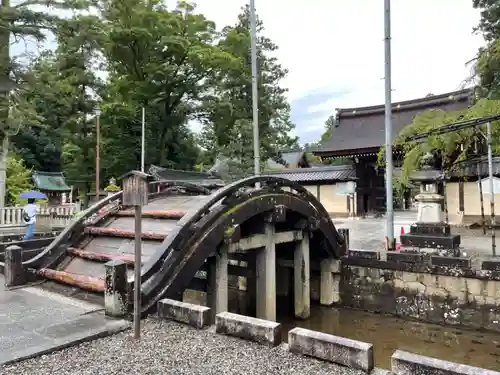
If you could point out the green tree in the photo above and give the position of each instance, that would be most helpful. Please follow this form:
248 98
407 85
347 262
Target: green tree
28 19
230 104
487 64
490 14
18 179
329 125
448 148
159 59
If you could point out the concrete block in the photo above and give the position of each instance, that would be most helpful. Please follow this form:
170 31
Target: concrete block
491 265
364 254
14 270
451 262
404 257
339 350
194 315
404 363
116 292
248 328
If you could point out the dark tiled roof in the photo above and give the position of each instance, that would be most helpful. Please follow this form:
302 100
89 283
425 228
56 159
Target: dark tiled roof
50 181
325 173
364 127
201 178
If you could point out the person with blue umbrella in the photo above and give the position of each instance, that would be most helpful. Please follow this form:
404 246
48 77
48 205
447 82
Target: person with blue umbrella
30 211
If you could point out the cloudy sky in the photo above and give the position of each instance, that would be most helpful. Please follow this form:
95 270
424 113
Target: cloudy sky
334 50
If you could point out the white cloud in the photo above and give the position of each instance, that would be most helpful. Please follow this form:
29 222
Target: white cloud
338 44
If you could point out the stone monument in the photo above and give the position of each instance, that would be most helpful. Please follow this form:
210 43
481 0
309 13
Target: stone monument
430 231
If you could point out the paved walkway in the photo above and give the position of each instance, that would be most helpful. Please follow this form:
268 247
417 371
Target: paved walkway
34 322
368 234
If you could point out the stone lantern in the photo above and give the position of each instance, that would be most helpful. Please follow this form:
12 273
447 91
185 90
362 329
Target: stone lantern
430 202
430 230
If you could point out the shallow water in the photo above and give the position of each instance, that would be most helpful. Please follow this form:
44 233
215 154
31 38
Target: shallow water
386 333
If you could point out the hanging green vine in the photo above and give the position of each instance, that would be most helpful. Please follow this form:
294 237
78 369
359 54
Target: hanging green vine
449 148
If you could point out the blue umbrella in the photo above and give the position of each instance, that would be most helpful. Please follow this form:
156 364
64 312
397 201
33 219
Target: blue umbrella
32 195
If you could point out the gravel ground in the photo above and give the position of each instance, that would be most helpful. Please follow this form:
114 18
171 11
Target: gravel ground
171 348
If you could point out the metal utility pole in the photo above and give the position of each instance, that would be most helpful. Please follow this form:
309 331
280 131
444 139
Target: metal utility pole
137 271
492 192
143 138
255 91
97 154
388 127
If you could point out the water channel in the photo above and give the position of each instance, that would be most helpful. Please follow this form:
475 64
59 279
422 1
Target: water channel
387 333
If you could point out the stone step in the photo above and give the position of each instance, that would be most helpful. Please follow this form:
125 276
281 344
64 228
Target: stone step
123 233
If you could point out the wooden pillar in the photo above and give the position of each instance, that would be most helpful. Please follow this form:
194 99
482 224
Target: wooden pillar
302 277
266 277
217 279
330 281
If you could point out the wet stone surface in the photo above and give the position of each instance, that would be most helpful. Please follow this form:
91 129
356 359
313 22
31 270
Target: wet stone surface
172 348
33 320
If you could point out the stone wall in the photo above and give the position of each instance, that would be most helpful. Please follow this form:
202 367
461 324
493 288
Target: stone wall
431 289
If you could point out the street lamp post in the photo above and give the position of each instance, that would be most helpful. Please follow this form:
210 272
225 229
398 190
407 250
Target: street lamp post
97 153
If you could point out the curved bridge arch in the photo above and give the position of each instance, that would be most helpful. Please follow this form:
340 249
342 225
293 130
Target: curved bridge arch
213 217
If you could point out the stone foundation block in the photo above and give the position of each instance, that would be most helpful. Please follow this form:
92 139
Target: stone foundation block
248 328
339 350
402 257
404 363
491 265
364 254
451 262
194 315
116 294
15 274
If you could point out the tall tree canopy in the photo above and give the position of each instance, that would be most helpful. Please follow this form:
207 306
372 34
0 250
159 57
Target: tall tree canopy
487 66
125 55
228 107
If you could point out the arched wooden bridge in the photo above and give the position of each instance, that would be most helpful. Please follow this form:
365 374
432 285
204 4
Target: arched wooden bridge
183 225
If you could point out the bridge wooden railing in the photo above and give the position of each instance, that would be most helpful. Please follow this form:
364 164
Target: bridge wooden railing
48 216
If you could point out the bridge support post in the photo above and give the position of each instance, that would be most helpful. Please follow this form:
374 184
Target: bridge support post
14 270
282 281
251 285
266 277
302 277
116 292
218 281
330 281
